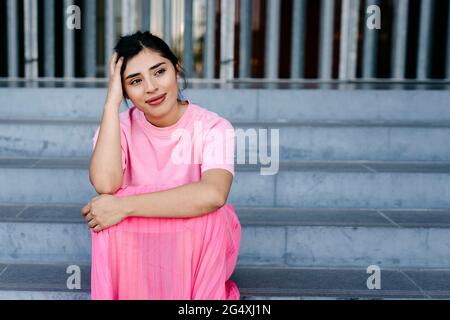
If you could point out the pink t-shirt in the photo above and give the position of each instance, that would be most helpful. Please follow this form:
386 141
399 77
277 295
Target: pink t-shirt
174 155
165 258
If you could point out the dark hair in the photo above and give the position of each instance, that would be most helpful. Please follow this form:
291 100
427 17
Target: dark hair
130 45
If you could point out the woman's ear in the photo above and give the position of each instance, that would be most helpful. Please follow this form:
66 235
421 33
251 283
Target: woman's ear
178 70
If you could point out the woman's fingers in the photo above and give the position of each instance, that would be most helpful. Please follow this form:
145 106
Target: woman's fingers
114 67
118 66
115 94
85 210
112 63
92 223
89 217
97 228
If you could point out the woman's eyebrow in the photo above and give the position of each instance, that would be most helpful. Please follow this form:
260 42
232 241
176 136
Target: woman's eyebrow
151 68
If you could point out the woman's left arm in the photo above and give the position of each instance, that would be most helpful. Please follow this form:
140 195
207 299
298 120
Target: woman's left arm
190 200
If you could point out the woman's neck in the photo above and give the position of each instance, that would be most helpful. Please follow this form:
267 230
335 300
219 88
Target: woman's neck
172 118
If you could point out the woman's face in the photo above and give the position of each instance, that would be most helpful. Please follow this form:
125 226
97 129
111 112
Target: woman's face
148 75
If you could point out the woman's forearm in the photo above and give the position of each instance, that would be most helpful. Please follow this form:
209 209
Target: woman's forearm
105 168
190 200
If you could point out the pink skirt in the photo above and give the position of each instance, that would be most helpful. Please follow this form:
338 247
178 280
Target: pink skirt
166 258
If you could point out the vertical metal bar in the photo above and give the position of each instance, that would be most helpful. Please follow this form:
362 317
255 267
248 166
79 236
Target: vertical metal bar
272 39
90 36
188 39
326 39
132 22
227 11
31 39
28 59
210 35
128 16
49 38
344 45
448 44
69 41
109 33
298 39
177 24
425 38
145 15
354 29
124 17
349 32
245 39
370 47
399 39
157 19
34 39
167 8
13 36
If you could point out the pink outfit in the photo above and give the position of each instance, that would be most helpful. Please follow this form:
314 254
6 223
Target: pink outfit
169 258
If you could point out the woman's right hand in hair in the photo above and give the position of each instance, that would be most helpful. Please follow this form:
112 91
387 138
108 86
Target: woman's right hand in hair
115 94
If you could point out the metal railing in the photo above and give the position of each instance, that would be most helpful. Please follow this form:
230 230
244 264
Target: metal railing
191 28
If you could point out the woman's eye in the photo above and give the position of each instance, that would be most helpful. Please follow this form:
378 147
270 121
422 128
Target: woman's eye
161 71
135 81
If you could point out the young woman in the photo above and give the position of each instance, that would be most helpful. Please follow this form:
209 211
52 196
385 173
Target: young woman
161 227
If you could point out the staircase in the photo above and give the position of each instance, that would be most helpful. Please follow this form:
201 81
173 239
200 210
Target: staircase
364 179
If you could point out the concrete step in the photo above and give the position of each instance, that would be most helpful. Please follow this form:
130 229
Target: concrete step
341 283
292 237
306 184
30 281
298 140
244 104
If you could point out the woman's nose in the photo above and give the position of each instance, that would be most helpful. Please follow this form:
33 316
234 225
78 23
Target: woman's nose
150 85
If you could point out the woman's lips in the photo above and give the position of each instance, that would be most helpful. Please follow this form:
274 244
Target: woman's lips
157 101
